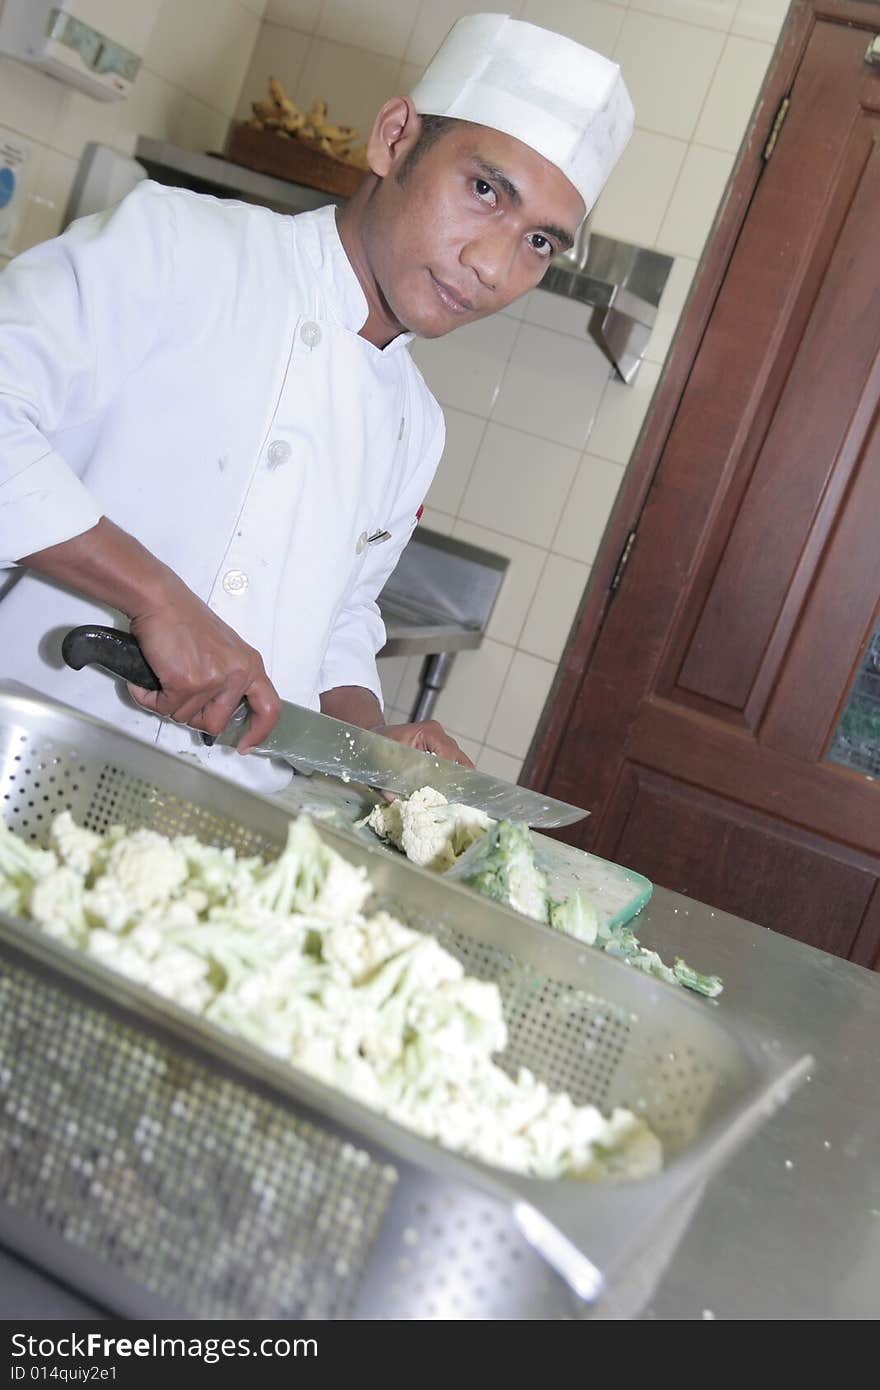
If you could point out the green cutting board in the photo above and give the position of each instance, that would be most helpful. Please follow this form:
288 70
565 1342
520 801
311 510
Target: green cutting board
618 893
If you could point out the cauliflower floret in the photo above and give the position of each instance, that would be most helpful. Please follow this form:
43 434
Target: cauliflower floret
308 876
356 948
430 830
76 846
147 868
10 898
214 872
56 902
20 863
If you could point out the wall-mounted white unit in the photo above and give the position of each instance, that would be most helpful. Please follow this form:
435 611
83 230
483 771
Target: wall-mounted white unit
65 39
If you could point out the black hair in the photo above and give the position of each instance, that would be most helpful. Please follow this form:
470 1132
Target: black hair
433 128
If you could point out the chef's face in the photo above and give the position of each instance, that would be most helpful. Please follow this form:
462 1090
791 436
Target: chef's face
464 228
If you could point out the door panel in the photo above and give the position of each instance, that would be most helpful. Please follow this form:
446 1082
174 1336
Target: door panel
699 731
747 864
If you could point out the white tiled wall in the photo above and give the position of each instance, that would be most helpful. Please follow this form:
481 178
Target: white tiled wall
539 429
195 56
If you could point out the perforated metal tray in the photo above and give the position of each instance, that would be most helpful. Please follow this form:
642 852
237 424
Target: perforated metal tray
167 1169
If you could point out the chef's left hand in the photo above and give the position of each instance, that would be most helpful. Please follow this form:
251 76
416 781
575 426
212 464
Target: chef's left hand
429 736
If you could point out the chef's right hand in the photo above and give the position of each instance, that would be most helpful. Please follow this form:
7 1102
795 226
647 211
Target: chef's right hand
204 668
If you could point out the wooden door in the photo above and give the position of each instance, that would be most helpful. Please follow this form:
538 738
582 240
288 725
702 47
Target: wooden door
699 731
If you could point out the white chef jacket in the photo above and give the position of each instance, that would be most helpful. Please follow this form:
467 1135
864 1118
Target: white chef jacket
191 368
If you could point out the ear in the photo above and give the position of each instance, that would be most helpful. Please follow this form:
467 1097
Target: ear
395 131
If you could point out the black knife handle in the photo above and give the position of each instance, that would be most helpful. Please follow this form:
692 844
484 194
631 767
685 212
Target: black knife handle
118 652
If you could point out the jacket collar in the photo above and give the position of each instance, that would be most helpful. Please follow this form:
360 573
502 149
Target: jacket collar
344 299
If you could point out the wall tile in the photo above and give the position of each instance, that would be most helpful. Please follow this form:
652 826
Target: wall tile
82 119
554 608
555 311
733 94
713 14
463 435
633 203
392 670
760 19
279 53
410 684
587 509
130 22
382 26
436 18
407 78
30 102
497 764
395 715
294 14
621 413
519 708
469 746
593 23
153 106
465 368
519 484
195 126
204 46
353 83
434 520
520 578
468 701
695 202
552 385
47 199
225 55
668 68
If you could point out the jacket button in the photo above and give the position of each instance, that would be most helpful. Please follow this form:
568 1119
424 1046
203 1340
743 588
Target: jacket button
362 540
310 334
277 453
235 581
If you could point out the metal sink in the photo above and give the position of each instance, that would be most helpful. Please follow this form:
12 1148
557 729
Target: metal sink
438 602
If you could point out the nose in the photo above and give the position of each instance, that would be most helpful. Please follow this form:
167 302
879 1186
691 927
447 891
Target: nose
490 257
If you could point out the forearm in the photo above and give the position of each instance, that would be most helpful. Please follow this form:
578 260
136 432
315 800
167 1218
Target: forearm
354 705
107 564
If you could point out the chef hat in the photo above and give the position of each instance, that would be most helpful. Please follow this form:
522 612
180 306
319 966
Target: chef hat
563 100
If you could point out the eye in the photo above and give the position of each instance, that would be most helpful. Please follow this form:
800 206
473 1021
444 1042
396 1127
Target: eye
485 192
539 243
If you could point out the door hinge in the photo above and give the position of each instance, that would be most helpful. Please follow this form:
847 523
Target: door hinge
778 123
623 561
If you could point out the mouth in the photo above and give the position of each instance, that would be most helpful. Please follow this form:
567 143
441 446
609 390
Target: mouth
454 302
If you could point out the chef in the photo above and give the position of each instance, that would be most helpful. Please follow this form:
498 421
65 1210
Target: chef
211 428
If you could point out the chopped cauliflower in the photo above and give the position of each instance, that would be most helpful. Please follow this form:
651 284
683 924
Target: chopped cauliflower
74 845
57 903
284 955
503 867
431 831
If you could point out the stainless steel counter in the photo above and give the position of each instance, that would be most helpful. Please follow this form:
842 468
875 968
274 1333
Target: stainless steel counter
791 1228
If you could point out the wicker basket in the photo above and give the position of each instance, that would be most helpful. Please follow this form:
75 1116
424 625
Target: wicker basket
285 157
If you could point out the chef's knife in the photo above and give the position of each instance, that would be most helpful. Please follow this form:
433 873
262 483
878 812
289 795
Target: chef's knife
333 747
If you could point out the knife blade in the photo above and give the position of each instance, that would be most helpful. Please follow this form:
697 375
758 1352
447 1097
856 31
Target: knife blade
337 749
